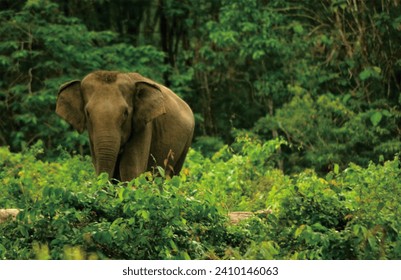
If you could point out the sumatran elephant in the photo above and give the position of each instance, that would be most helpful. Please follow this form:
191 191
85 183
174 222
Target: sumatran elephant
134 123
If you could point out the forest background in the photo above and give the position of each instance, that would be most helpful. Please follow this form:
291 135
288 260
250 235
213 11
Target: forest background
310 85
324 76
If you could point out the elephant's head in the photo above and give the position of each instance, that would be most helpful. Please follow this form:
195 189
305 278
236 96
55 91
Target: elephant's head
110 105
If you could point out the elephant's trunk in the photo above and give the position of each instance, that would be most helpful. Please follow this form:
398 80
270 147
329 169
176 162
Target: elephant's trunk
106 153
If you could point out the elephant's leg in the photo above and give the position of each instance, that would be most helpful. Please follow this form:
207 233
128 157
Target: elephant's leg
180 162
134 159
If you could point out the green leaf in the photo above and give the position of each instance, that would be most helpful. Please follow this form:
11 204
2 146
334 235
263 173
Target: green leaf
161 171
299 231
387 113
370 72
144 214
375 118
346 97
372 242
185 256
336 169
298 28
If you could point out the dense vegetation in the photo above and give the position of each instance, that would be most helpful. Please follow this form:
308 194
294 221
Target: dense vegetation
70 214
297 107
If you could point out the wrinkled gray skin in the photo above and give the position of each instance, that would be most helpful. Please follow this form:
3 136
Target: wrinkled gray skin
133 123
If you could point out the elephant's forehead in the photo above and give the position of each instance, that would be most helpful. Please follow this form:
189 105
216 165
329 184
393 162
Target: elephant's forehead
107 77
92 88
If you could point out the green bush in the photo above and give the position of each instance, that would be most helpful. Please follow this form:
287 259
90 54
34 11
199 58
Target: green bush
66 210
238 177
349 215
68 213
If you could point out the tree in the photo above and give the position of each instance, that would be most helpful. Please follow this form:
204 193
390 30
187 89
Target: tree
326 79
40 50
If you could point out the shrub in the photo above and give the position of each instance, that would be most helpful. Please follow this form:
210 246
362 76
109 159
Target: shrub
68 213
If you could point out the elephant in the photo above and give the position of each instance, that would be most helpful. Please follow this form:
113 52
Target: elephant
134 124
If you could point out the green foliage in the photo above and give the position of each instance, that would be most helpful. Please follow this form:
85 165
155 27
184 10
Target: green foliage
229 175
23 177
297 113
352 215
208 145
269 68
67 213
40 50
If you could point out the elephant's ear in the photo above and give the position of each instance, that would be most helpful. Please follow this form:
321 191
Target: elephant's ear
148 100
70 105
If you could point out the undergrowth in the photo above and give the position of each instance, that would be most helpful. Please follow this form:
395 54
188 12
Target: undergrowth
69 213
